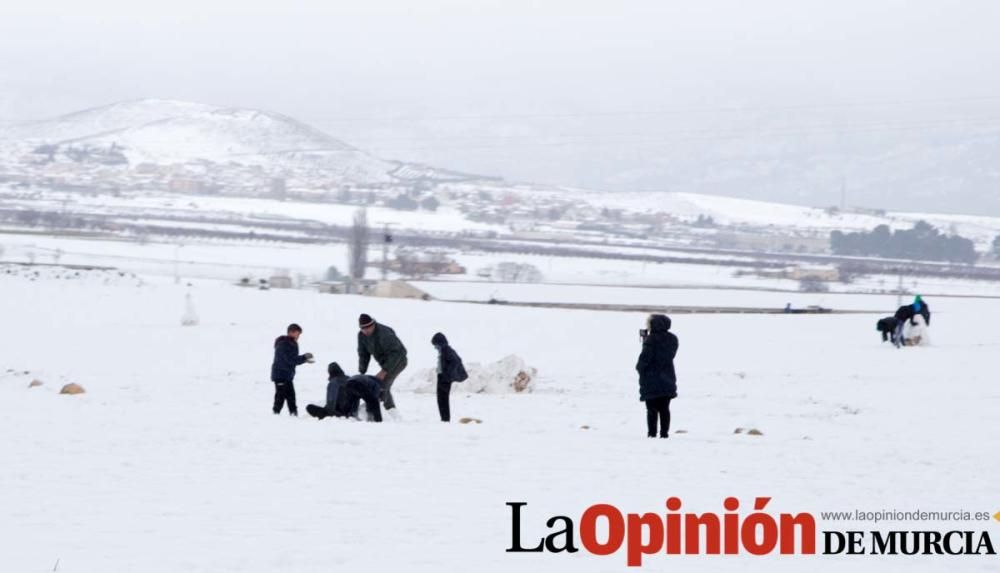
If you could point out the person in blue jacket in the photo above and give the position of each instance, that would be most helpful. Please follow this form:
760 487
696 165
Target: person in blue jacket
286 359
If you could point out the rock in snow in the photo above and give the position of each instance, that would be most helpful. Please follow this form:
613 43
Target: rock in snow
72 388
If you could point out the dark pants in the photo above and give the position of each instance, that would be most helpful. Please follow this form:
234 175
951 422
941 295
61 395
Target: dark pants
285 392
390 377
359 390
443 391
658 408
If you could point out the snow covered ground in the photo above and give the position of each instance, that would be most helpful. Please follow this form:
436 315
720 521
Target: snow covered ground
173 462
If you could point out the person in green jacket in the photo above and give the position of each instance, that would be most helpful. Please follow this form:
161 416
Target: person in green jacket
379 341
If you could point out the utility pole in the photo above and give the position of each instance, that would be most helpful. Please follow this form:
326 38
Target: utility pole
177 263
386 240
899 289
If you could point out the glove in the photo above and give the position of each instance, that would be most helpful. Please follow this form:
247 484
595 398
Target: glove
309 357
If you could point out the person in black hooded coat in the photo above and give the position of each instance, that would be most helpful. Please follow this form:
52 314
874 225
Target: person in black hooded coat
657 378
450 369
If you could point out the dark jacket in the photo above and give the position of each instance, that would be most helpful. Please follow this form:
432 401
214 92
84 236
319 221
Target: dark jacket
450 366
286 358
339 402
887 326
657 378
908 311
384 346
904 313
925 311
367 388
364 386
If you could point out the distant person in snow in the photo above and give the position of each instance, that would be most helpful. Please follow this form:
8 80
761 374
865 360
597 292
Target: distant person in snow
907 312
887 326
379 341
657 378
449 369
344 396
286 358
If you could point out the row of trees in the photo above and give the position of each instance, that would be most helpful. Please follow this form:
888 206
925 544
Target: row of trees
406 203
922 242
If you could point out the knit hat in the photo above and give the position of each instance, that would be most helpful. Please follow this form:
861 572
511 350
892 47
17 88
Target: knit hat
364 321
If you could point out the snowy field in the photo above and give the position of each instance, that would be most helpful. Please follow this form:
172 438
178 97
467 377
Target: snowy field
172 460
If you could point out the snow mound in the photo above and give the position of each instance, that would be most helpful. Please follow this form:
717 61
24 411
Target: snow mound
509 375
916 334
190 317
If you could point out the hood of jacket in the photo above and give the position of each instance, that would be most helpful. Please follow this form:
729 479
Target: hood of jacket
439 340
659 323
334 370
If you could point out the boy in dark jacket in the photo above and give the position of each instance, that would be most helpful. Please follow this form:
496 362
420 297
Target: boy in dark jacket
657 379
286 358
379 341
449 369
887 326
344 396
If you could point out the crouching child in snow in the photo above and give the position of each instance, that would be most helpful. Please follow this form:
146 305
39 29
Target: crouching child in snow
344 396
657 378
449 369
286 358
887 326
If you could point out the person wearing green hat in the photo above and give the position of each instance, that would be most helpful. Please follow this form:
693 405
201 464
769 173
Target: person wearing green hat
906 313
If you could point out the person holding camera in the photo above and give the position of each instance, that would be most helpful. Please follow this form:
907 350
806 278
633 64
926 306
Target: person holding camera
657 378
286 358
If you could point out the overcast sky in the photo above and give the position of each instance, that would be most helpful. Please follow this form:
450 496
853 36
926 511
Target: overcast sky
424 79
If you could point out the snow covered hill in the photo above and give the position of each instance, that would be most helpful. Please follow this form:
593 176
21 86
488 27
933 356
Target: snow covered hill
145 133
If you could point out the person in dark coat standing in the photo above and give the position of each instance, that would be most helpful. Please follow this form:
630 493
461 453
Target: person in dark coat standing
286 358
449 369
378 341
344 396
657 378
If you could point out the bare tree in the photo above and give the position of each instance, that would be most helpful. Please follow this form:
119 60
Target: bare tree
357 245
510 272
